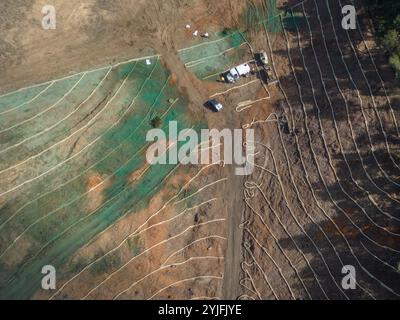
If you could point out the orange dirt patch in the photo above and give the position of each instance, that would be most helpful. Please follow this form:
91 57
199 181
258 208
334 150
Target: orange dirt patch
94 180
95 187
173 80
136 175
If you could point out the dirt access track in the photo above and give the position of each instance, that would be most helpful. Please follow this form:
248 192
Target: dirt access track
76 190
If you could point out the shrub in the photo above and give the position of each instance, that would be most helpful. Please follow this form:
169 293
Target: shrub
391 40
395 63
156 122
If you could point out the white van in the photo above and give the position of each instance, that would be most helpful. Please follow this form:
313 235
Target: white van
240 71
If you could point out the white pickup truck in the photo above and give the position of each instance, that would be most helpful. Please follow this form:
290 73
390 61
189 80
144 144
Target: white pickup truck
235 73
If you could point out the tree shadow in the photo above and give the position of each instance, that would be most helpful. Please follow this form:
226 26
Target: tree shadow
370 271
362 228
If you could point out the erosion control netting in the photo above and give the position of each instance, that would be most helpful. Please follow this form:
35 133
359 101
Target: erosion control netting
210 58
265 12
48 122
60 212
16 98
56 108
292 19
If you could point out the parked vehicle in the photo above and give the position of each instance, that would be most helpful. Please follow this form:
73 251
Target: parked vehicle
266 71
235 73
214 105
263 58
267 74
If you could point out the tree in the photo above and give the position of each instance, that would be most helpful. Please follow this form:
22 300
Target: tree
396 23
156 122
391 40
395 63
386 14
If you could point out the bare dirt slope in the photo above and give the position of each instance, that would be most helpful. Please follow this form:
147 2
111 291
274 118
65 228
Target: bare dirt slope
93 33
325 193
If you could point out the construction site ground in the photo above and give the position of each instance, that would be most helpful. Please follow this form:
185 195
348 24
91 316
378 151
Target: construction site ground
76 191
